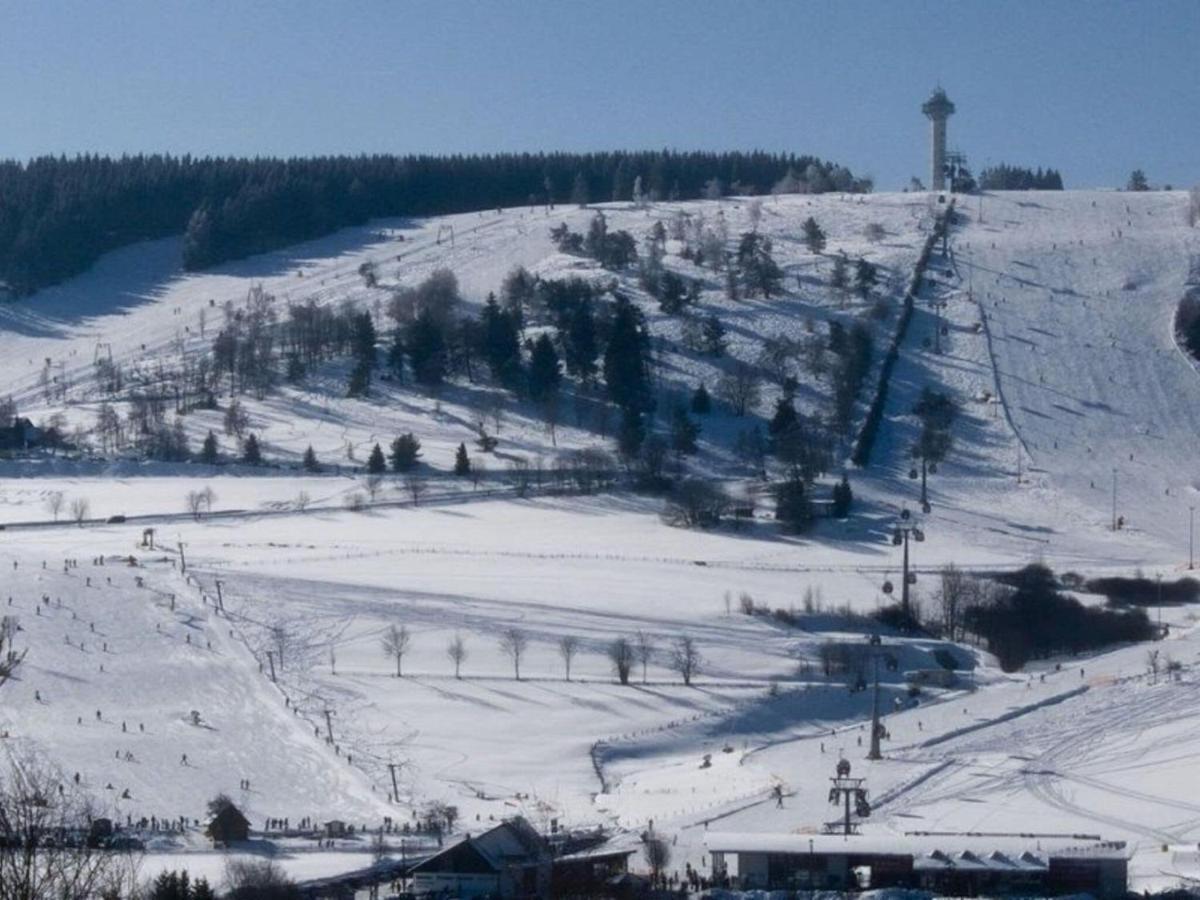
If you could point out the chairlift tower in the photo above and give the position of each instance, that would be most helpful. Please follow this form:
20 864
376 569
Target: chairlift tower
937 109
955 168
905 529
847 790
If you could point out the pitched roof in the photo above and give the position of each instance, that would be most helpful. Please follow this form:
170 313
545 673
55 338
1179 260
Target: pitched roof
462 858
475 855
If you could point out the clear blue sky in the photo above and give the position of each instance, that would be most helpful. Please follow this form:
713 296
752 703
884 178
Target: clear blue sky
1092 87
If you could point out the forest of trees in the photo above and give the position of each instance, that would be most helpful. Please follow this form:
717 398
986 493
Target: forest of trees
1025 615
59 214
1018 178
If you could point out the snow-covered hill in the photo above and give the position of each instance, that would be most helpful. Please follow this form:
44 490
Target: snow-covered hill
1057 311
139 309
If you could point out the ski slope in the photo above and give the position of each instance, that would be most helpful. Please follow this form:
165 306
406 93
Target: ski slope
1057 312
1080 292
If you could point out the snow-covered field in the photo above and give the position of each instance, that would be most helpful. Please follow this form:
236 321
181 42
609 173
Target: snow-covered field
1078 289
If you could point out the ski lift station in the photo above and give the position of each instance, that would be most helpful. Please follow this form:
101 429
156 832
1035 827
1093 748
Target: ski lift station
953 865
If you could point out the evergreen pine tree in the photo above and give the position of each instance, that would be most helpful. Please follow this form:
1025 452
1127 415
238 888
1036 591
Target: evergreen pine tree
684 431
376 464
731 283
866 276
814 235
672 293
579 341
594 245
784 419
761 273
544 374
839 278
360 380
395 356
462 462
310 460
427 349
701 402
250 450
843 497
406 451
792 506
501 347
208 450
625 364
363 339
713 336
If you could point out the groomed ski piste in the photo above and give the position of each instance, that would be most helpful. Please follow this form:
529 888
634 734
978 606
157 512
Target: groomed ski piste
1057 340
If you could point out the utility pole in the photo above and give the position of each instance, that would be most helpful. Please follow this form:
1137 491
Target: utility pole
220 599
1114 498
271 660
395 786
876 727
182 560
900 537
329 723
1158 577
1191 536
938 305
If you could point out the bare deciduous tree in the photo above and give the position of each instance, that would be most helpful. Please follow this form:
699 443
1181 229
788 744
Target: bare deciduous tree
643 646
415 485
281 642
38 807
396 641
80 507
739 389
10 658
513 644
374 485
200 501
54 503
457 651
620 652
685 659
696 503
568 646
658 856
249 879
957 593
303 501
520 475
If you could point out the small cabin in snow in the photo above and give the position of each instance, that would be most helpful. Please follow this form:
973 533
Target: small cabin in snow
228 826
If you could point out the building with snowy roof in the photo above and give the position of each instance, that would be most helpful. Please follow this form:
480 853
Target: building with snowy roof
959 865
